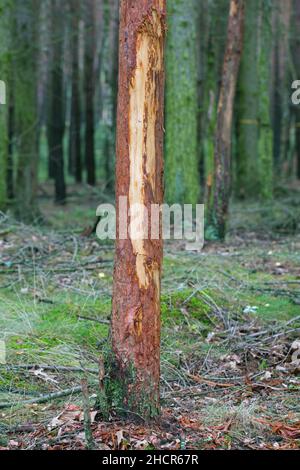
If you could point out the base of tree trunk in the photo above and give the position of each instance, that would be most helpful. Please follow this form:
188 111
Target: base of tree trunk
127 395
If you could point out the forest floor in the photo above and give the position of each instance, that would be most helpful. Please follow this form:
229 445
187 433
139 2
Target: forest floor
230 334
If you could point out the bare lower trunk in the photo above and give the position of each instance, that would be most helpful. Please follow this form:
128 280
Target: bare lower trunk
139 177
222 152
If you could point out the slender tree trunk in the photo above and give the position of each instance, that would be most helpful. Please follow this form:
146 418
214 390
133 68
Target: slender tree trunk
285 79
75 165
247 107
296 57
56 122
277 98
112 82
265 140
89 88
26 112
3 155
182 177
139 178
217 14
3 106
222 152
10 150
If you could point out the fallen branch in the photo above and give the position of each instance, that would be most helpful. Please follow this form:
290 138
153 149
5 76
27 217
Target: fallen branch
43 398
97 320
47 367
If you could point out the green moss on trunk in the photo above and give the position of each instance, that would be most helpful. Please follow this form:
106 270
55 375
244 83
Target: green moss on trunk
247 179
25 81
121 394
182 178
254 132
265 143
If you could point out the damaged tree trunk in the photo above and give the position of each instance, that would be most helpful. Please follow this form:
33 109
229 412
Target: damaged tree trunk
222 152
135 369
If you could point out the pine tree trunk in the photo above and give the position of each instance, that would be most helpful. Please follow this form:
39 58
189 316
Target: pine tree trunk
296 57
3 156
182 176
109 147
217 17
26 112
247 107
56 122
277 99
75 165
265 141
10 149
139 178
3 110
89 86
222 152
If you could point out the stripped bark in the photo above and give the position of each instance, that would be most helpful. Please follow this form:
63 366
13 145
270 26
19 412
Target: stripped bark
139 177
222 153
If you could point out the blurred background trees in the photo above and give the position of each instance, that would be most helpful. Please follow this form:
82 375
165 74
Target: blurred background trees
60 64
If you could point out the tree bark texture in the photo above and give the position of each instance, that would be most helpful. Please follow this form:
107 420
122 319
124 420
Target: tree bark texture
75 164
182 177
89 90
296 57
222 152
56 122
247 183
139 177
26 110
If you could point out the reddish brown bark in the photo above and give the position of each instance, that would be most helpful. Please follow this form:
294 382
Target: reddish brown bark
222 153
139 177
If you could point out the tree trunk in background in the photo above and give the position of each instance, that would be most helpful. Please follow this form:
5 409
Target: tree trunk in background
89 87
75 165
112 79
26 114
56 122
10 149
265 141
217 15
222 151
247 107
277 99
182 176
296 59
4 18
285 74
139 178
3 152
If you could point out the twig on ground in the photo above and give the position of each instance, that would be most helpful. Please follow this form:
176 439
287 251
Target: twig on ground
90 444
42 399
97 320
47 367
